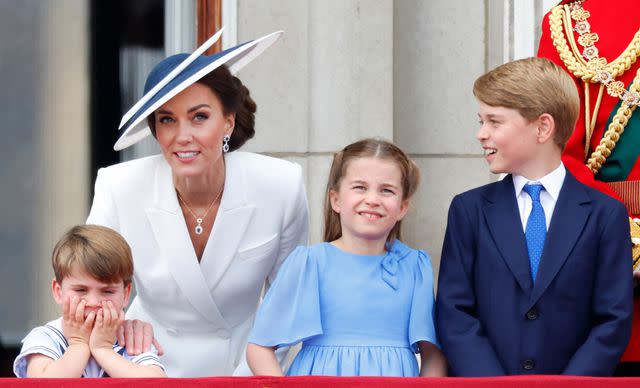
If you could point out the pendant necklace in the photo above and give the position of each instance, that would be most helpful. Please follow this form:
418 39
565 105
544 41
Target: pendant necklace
199 220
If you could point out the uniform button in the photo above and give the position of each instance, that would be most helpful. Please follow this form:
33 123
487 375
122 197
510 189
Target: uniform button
172 331
223 333
528 365
532 314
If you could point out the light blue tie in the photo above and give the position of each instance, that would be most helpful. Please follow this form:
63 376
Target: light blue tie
536 230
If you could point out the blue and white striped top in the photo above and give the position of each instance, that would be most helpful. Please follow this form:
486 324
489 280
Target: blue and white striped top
50 341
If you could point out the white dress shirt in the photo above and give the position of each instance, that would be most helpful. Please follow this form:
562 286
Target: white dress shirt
552 183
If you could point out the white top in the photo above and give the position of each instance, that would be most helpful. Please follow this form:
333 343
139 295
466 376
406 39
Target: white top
50 341
552 183
202 311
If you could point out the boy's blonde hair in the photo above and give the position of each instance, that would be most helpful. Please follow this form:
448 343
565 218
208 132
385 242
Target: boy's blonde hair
367 148
533 86
99 251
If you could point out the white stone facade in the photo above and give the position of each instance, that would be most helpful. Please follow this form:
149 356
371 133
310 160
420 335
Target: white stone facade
345 69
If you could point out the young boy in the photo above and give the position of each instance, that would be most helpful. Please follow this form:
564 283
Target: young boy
535 272
93 269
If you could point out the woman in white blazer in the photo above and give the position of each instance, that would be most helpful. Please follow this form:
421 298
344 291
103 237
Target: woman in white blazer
207 228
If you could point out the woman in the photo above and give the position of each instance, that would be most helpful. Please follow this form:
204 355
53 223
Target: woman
207 226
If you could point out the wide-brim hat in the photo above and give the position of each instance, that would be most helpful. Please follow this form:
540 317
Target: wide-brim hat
176 73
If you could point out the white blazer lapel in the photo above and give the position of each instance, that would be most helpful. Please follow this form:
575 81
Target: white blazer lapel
176 248
234 214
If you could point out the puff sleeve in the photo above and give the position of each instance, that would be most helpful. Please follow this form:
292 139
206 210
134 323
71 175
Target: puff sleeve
421 322
290 312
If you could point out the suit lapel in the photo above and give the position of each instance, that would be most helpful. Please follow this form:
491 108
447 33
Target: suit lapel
505 226
233 218
569 218
175 246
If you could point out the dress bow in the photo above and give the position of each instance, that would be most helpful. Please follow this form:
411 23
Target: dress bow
396 251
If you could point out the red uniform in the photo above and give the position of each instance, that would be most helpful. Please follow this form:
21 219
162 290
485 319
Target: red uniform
598 43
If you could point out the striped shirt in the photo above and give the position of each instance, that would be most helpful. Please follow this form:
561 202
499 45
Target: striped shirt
50 341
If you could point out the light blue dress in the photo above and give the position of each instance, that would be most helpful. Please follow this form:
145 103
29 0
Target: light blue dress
356 315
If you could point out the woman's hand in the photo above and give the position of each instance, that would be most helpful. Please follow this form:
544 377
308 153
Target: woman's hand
76 328
108 322
137 336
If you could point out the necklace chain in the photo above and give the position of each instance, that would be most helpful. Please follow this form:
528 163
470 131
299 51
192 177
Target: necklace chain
588 64
592 68
199 220
595 63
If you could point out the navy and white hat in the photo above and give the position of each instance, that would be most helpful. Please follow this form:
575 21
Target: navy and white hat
176 73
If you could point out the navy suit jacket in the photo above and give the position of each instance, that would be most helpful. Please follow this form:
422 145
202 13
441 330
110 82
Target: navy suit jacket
492 320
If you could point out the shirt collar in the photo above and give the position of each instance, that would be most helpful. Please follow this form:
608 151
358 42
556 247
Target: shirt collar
552 182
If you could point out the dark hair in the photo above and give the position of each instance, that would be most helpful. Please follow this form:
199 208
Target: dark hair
235 98
367 148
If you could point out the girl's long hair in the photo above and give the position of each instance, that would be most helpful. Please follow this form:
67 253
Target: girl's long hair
367 148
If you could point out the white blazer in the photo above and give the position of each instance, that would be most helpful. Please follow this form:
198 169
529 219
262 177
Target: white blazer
202 312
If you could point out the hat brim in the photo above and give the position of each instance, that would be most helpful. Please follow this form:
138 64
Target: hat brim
180 67
235 58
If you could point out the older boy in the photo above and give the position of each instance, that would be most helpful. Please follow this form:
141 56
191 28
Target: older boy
534 277
92 284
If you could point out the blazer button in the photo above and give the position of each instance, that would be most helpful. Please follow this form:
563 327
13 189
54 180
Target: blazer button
532 314
528 365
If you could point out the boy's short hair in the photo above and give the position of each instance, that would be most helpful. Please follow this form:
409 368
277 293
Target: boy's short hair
533 86
99 251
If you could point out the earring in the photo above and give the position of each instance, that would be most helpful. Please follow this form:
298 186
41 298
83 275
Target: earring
225 143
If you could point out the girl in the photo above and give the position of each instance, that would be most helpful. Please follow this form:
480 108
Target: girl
362 301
